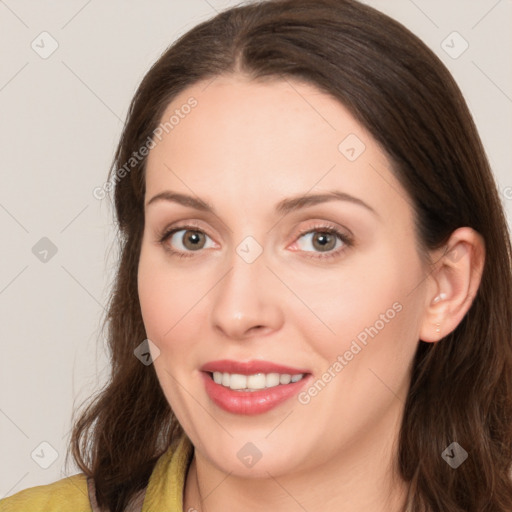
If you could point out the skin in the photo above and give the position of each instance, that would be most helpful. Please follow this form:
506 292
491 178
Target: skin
243 148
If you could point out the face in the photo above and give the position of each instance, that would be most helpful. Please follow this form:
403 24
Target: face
268 287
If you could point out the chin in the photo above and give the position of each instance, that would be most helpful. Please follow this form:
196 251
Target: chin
257 458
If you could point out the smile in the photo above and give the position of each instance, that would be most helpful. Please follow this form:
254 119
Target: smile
236 381
253 387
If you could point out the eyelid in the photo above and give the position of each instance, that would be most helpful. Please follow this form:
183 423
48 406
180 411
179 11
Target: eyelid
184 224
192 225
318 225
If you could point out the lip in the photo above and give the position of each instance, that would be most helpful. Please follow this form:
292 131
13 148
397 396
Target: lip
250 402
249 367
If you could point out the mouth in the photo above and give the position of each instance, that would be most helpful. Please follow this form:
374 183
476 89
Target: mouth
254 382
253 387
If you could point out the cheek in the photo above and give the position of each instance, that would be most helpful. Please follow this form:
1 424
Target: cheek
378 330
170 302
170 318
365 298
154 302
158 295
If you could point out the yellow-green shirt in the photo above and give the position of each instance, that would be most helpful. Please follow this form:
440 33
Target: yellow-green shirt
164 491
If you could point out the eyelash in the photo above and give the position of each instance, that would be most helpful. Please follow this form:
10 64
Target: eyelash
322 228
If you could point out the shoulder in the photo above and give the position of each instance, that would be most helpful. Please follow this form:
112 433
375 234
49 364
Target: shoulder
62 496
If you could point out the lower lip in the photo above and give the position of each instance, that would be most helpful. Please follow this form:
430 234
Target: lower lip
250 402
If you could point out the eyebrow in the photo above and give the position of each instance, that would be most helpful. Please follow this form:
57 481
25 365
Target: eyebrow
283 207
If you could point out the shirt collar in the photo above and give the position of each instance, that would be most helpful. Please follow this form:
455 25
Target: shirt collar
167 481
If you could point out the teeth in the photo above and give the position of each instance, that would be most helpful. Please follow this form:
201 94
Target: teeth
254 382
258 381
285 379
272 380
236 381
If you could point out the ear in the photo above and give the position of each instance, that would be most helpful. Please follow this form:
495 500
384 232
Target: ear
453 283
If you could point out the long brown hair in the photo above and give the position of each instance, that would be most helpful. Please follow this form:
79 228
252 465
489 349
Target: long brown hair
461 388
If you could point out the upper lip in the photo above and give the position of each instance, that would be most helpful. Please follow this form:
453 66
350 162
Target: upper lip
249 367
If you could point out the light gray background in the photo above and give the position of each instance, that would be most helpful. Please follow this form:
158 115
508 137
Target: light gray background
60 120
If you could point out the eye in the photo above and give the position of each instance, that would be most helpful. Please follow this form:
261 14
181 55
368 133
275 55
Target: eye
327 241
184 239
324 239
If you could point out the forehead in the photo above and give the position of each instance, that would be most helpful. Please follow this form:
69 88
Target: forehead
258 114
273 138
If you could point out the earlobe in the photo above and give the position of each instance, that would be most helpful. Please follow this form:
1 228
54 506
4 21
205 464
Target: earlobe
454 283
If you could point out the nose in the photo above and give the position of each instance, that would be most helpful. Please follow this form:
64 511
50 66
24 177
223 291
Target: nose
247 301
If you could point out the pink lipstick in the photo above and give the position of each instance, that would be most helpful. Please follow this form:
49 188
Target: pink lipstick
252 387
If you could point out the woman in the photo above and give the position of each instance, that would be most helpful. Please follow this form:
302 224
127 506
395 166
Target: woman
313 304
